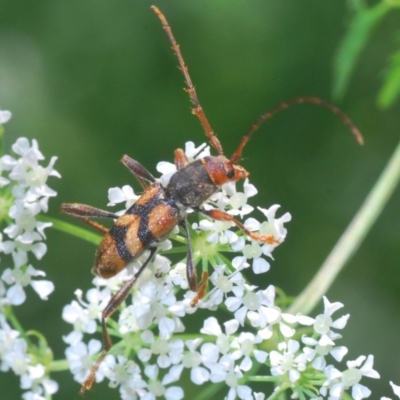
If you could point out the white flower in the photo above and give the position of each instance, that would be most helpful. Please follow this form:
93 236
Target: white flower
324 322
156 388
125 194
223 284
338 382
18 278
79 356
273 227
318 353
83 315
288 360
244 346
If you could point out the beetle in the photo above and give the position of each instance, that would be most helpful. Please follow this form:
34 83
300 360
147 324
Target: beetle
160 209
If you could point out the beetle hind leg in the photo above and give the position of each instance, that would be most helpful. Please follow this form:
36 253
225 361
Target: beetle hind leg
84 212
111 307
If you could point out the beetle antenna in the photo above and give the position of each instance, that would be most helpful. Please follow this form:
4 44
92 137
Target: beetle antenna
197 110
298 100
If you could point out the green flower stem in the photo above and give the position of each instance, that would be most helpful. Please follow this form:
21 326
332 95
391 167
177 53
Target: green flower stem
351 238
71 229
59 365
262 378
9 314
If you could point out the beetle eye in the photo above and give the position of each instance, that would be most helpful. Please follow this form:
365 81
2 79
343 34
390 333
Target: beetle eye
230 174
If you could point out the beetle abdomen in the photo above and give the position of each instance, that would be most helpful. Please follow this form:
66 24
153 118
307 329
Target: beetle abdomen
143 226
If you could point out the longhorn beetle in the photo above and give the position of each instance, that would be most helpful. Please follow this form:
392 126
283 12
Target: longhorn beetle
159 209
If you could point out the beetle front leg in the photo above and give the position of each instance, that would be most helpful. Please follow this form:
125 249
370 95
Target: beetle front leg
180 159
190 267
224 216
199 288
138 171
111 307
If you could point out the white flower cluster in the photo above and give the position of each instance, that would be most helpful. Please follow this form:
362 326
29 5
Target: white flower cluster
15 356
151 324
23 195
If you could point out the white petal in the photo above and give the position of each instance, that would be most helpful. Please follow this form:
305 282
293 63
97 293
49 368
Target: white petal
289 318
294 375
319 363
339 352
367 368
43 288
173 374
244 392
360 392
309 341
115 196
286 330
211 327
293 346
261 356
330 308
16 295
305 320
233 303
199 375
231 326
246 364
341 322
174 393
396 389
5 116
166 326
260 266
240 315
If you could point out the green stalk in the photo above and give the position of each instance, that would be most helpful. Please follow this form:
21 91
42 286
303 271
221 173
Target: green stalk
351 238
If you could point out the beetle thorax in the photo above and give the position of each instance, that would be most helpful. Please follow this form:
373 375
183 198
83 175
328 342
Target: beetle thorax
193 184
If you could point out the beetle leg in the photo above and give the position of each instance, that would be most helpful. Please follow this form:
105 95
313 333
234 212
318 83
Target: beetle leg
220 215
83 211
190 267
111 307
200 288
139 172
180 159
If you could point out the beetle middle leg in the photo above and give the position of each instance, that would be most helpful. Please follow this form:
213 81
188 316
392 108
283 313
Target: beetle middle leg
111 307
199 288
220 215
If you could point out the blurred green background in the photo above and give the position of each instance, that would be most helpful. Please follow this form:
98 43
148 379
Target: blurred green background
95 79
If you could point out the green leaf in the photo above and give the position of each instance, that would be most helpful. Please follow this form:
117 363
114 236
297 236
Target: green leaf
391 85
353 43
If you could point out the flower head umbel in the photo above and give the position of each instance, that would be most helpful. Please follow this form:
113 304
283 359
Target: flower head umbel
257 338
24 195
